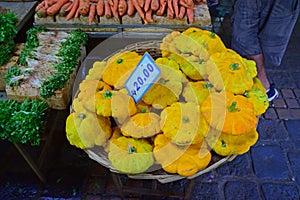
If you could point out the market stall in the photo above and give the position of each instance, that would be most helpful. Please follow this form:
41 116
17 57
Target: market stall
163 100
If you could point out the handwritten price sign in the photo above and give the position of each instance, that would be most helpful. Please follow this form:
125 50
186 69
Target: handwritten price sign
143 76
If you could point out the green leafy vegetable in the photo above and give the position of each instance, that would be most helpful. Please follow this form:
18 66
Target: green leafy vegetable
22 122
31 43
10 77
69 53
8 28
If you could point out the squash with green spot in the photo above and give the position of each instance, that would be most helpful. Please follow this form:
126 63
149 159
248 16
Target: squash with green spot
183 160
130 156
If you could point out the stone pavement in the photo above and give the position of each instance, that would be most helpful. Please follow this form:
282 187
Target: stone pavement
270 170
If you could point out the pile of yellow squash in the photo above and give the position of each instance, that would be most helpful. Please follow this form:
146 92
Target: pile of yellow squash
206 99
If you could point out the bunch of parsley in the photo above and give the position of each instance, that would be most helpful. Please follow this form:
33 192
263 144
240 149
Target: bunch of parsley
22 122
69 53
31 43
8 30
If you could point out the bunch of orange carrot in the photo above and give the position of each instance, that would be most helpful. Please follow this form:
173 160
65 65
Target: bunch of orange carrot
118 8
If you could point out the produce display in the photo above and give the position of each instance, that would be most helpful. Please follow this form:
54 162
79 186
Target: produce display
46 66
206 102
22 122
123 11
8 30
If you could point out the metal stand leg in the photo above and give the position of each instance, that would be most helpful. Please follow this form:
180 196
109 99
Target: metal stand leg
31 162
118 184
189 189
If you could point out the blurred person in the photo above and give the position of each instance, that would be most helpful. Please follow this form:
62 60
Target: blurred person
261 31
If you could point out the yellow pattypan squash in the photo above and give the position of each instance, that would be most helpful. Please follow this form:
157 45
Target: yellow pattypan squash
116 133
141 125
166 90
184 160
88 88
193 67
229 113
258 97
119 67
122 105
230 73
77 106
95 73
130 156
181 123
182 45
84 130
167 62
209 40
197 92
226 144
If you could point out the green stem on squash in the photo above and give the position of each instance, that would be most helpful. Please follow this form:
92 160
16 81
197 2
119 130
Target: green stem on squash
232 107
207 85
223 143
185 119
119 61
144 110
82 116
212 35
108 94
234 66
131 149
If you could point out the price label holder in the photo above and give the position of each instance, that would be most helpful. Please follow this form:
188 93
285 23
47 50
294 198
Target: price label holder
142 78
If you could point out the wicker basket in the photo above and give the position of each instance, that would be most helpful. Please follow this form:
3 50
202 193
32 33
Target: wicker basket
155 172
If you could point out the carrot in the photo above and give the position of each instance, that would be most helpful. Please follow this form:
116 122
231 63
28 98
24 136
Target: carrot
94 1
62 12
84 7
49 3
187 4
110 2
42 12
141 3
154 5
147 5
138 9
176 7
170 12
100 7
107 10
92 13
182 12
190 12
114 9
73 10
162 7
170 5
77 13
52 10
122 7
130 8
148 17
40 5
69 7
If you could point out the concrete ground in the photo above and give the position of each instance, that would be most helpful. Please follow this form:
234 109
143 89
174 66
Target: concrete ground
270 170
